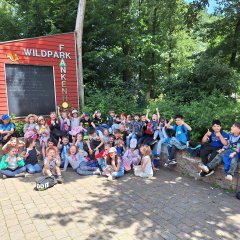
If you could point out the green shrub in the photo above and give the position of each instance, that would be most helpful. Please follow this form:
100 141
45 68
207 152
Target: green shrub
19 125
199 114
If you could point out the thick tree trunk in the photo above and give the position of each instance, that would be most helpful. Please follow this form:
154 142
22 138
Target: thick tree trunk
79 33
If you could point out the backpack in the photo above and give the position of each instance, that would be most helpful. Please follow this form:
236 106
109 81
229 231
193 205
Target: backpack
194 151
44 183
149 129
238 195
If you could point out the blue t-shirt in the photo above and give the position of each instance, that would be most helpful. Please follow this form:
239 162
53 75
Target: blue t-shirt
6 127
215 141
181 133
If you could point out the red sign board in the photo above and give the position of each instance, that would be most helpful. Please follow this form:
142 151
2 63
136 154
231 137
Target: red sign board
58 52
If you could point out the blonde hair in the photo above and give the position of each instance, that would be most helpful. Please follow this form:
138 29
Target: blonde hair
146 151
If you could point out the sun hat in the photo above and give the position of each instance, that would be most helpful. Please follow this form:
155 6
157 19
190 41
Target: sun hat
5 117
112 150
133 143
31 115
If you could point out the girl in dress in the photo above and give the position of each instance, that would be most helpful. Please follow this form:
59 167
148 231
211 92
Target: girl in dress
44 134
30 128
145 169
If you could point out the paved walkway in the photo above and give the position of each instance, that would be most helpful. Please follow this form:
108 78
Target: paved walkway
168 206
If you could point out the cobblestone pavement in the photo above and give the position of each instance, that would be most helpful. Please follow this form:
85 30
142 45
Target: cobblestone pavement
168 206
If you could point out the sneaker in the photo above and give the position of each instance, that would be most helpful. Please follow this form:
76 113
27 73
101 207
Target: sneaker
172 162
110 178
166 164
202 174
204 168
59 179
4 176
153 142
209 173
158 156
20 175
97 172
229 178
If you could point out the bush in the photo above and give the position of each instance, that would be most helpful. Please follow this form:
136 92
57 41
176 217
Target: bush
199 114
19 125
116 98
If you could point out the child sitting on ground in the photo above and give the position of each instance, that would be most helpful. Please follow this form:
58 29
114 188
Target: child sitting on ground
14 142
120 146
131 157
31 160
114 168
52 165
145 170
180 140
11 165
102 156
79 163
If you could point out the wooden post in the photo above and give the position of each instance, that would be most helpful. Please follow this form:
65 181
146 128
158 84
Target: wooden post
79 33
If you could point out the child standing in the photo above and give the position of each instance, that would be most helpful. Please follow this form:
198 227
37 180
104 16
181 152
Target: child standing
79 163
52 165
64 123
131 156
75 125
44 134
145 170
53 123
180 140
31 160
30 128
114 168
161 132
11 165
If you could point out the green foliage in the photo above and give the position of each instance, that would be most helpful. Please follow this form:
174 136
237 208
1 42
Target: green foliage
200 113
207 76
116 98
18 124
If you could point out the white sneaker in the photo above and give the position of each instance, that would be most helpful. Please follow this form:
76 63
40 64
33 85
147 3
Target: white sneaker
110 178
229 178
204 168
4 176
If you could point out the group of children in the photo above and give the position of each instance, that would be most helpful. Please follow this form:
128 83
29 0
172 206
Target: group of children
92 146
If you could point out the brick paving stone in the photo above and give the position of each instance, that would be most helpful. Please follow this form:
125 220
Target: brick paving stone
168 207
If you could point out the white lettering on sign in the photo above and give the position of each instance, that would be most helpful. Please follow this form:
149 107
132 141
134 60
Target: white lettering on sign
47 53
63 71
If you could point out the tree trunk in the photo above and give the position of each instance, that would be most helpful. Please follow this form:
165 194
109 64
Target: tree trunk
78 34
235 44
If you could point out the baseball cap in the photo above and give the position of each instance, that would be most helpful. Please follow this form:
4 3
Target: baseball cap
5 117
112 149
87 114
74 111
